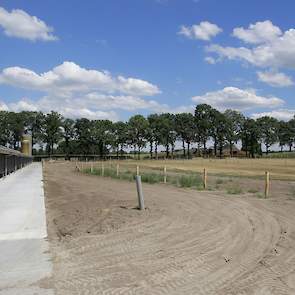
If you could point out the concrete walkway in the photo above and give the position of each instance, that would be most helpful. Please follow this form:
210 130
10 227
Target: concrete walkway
24 252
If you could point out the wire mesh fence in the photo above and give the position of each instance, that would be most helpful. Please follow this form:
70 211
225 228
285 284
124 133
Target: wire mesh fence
200 179
11 160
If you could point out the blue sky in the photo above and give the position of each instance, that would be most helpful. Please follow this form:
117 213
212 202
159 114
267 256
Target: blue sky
111 59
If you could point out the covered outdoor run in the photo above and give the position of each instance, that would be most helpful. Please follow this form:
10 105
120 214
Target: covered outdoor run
12 160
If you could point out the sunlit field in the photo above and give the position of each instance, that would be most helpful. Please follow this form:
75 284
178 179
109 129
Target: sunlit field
283 169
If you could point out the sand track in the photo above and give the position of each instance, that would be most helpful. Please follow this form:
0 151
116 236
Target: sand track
187 242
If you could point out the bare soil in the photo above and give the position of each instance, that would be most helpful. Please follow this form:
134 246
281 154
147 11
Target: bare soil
186 242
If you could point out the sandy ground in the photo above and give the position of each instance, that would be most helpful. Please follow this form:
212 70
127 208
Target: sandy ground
186 242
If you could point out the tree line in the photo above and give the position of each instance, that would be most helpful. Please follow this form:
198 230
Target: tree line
52 133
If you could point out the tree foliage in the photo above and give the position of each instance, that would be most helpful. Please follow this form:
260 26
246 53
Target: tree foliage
51 133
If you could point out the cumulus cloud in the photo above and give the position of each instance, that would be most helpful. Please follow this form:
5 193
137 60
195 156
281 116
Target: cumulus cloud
70 77
281 114
274 49
210 60
260 32
204 31
275 79
3 106
18 23
68 110
75 91
239 99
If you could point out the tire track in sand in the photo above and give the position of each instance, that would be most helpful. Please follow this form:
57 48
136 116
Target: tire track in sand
187 242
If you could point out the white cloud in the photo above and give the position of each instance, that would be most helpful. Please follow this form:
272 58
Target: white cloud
3 106
239 99
23 105
272 49
260 32
18 23
67 109
275 79
75 91
281 114
70 77
210 60
204 31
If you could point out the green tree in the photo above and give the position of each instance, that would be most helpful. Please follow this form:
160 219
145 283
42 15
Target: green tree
137 131
250 136
186 130
268 131
167 132
119 136
84 136
68 126
52 131
204 124
234 120
154 131
4 128
102 135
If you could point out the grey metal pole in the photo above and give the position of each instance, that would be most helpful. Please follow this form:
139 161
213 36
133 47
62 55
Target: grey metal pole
139 193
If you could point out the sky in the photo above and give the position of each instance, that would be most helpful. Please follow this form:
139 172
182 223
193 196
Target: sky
111 59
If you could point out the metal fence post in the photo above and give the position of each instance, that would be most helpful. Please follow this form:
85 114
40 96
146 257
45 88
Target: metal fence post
139 193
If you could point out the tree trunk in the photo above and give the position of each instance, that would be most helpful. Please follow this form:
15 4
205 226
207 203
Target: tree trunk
220 150
290 147
215 147
172 151
167 151
231 149
204 144
156 150
183 147
151 149
188 150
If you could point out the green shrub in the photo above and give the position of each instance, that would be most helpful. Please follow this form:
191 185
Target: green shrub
151 178
219 181
252 191
234 190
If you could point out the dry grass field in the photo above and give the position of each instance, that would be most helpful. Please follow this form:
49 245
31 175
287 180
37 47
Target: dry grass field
280 169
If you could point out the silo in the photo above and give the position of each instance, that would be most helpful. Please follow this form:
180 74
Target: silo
26 144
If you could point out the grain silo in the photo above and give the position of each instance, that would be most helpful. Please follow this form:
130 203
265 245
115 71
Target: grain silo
26 144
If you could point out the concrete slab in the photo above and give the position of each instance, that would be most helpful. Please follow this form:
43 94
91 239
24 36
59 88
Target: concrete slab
24 251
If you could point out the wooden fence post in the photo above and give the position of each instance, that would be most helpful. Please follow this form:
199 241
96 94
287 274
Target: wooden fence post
205 178
102 169
118 170
137 170
165 174
266 191
91 168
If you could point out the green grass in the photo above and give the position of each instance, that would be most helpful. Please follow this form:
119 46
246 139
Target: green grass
219 181
179 180
260 196
280 155
234 190
252 191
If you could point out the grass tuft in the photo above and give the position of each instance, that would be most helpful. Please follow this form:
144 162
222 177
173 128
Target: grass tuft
234 190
